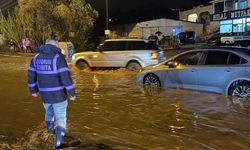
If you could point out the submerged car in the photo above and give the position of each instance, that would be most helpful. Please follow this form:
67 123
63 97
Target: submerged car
220 70
132 54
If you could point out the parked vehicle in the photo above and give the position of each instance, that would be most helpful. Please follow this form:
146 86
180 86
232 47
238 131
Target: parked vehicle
241 40
214 40
227 40
188 37
224 70
132 54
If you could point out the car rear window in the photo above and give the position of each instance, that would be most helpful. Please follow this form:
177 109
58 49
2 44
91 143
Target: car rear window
216 58
233 59
223 58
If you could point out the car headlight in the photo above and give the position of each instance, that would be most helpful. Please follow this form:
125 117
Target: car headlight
73 57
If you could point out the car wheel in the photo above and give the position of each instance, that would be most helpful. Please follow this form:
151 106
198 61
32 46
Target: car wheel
82 65
133 66
240 89
152 80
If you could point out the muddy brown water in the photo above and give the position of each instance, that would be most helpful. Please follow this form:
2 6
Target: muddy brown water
112 110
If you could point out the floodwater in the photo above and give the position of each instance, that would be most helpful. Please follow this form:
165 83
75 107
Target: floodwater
113 112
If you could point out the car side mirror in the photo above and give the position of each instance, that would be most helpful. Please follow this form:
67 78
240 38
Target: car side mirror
172 64
98 49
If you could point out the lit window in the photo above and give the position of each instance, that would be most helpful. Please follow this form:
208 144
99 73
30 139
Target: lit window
236 7
238 25
243 4
237 21
193 17
226 26
226 22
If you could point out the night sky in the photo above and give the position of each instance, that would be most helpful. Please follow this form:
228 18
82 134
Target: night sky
128 5
129 11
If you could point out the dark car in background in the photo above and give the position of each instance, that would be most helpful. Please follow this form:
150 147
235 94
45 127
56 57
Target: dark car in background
188 37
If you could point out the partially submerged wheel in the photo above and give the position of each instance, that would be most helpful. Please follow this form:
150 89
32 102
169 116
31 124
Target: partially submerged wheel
152 80
240 89
133 66
82 65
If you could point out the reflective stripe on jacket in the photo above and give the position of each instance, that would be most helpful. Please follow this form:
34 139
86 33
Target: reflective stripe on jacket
49 75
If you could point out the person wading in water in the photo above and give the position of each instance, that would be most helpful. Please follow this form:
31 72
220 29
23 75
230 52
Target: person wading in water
49 76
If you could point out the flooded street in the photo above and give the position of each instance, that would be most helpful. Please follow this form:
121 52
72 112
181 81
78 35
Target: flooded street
113 111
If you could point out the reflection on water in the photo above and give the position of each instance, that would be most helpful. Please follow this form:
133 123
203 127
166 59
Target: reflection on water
113 111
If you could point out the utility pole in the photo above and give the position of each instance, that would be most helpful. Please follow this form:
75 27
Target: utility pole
107 15
107 31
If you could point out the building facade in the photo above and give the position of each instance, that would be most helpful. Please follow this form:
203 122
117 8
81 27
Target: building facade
166 27
201 14
164 30
197 14
234 20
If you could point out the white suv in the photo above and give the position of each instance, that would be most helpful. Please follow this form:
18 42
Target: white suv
133 54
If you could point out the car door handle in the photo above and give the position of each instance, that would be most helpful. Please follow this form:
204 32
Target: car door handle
228 70
193 70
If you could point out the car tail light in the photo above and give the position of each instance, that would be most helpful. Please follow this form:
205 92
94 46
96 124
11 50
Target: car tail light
154 55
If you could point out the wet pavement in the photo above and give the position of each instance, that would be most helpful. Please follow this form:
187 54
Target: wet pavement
113 112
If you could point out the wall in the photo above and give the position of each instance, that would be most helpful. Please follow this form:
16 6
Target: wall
213 27
184 14
146 28
162 25
189 26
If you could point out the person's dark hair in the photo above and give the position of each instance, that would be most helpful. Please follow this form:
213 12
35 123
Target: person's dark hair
53 36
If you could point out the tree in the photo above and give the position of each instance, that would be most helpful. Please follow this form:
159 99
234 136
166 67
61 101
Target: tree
13 26
38 18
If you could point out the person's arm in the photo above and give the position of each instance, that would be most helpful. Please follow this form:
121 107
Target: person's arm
32 79
35 48
65 77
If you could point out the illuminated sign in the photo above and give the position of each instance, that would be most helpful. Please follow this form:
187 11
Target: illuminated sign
231 14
